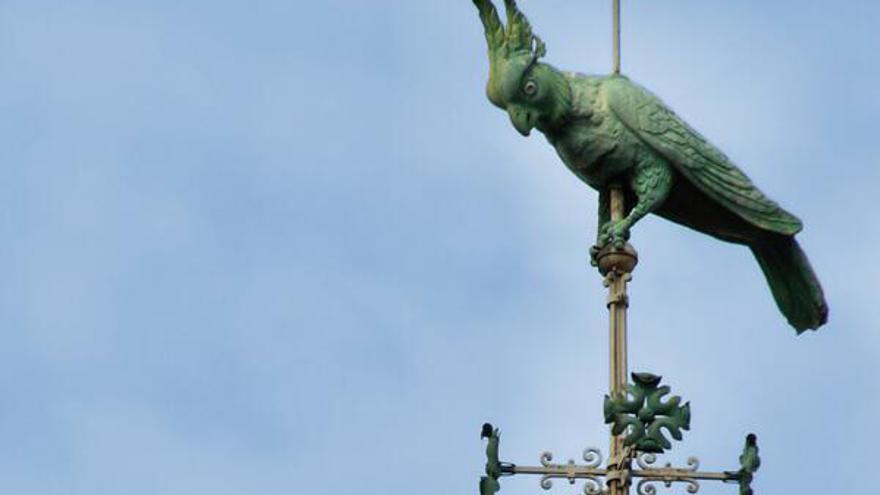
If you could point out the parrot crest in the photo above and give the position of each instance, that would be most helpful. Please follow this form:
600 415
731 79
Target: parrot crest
534 94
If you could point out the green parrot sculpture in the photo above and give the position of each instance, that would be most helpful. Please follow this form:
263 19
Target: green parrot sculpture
610 132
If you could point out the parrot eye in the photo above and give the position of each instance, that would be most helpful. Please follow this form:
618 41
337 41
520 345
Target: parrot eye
530 88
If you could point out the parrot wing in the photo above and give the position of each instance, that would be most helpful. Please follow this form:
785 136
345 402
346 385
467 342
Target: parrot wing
696 159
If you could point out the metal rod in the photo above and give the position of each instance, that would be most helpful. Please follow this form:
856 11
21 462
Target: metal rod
678 475
560 471
617 306
574 471
616 35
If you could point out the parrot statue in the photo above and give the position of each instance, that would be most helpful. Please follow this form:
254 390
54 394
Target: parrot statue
612 133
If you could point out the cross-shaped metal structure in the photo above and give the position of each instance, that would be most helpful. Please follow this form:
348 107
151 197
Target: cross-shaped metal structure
640 413
637 412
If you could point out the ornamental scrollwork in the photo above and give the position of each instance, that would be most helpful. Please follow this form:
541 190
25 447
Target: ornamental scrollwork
571 471
666 475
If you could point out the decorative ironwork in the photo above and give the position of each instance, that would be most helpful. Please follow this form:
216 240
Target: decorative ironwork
647 487
749 462
620 473
642 413
666 475
592 456
572 471
489 484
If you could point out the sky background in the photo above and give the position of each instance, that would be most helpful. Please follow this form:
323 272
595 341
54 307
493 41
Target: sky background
289 247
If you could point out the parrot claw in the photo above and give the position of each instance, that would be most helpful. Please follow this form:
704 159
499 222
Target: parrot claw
616 234
594 255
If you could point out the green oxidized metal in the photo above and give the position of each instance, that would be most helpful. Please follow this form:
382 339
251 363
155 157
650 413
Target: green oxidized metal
609 130
643 414
489 484
749 461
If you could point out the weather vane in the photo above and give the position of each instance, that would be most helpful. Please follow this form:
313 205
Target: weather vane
642 158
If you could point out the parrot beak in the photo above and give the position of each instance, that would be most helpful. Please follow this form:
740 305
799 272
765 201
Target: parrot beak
521 119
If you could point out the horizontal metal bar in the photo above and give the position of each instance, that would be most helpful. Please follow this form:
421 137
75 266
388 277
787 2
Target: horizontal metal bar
678 474
563 471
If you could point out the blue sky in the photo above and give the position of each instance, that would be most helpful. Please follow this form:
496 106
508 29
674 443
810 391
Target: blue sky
289 247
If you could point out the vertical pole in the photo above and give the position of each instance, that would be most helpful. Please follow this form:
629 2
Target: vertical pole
617 267
616 36
616 278
617 305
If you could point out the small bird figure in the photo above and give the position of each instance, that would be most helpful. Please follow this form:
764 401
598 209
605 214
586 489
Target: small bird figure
612 133
749 459
750 463
489 484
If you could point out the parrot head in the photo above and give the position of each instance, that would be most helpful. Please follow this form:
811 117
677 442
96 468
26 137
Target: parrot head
534 94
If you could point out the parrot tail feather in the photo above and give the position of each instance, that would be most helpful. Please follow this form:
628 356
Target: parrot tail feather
794 285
